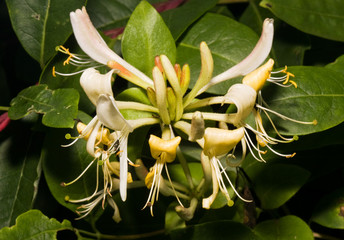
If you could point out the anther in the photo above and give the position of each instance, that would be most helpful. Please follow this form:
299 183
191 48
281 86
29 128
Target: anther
54 73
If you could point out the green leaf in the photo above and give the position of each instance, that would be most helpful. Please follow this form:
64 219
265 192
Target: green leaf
41 25
330 210
145 37
229 41
19 171
177 174
58 106
276 183
337 65
179 19
67 165
34 225
215 230
172 219
110 14
321 18
285 228
319 96
135 95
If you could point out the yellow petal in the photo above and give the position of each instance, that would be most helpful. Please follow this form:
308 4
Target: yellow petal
258 77
218 142
163 150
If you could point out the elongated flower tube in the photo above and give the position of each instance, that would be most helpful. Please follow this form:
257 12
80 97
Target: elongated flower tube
164 151
218 142
110 116
252 61
96 48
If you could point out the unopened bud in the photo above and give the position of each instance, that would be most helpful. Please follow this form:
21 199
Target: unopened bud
151 96
185 78
171 100
178 70
197 127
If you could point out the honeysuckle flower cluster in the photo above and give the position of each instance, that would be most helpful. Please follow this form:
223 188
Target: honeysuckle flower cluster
172 107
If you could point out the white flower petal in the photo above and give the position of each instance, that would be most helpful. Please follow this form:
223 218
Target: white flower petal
95 83
244 98
109 114
123 173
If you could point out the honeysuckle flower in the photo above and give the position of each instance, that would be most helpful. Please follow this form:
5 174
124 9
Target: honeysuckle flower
217 143
252 61
101 144
163 151
98 53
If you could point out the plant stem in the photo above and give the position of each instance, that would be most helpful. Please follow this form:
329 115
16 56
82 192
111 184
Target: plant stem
185 167
121 237
2 108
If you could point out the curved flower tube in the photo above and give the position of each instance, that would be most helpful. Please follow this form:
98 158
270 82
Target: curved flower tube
252 61
95 47
110 116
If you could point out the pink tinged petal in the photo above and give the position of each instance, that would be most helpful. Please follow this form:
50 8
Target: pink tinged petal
95 84
109 114
4 121
254 59
94 46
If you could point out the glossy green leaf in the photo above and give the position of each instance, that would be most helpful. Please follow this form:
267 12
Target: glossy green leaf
172 219
215 230
285 228
177 174
276 183
58 106
146 36
19 171
112 14
337 65
229 41
135 95
319 96
330 210
180 18
321 18
34 225
108 14
68 165
42 25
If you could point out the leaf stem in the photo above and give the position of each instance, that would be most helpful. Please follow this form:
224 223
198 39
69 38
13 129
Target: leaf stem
121 237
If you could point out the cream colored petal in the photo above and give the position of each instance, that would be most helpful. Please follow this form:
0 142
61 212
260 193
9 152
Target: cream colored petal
244 98
218 142
110 116
95 83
